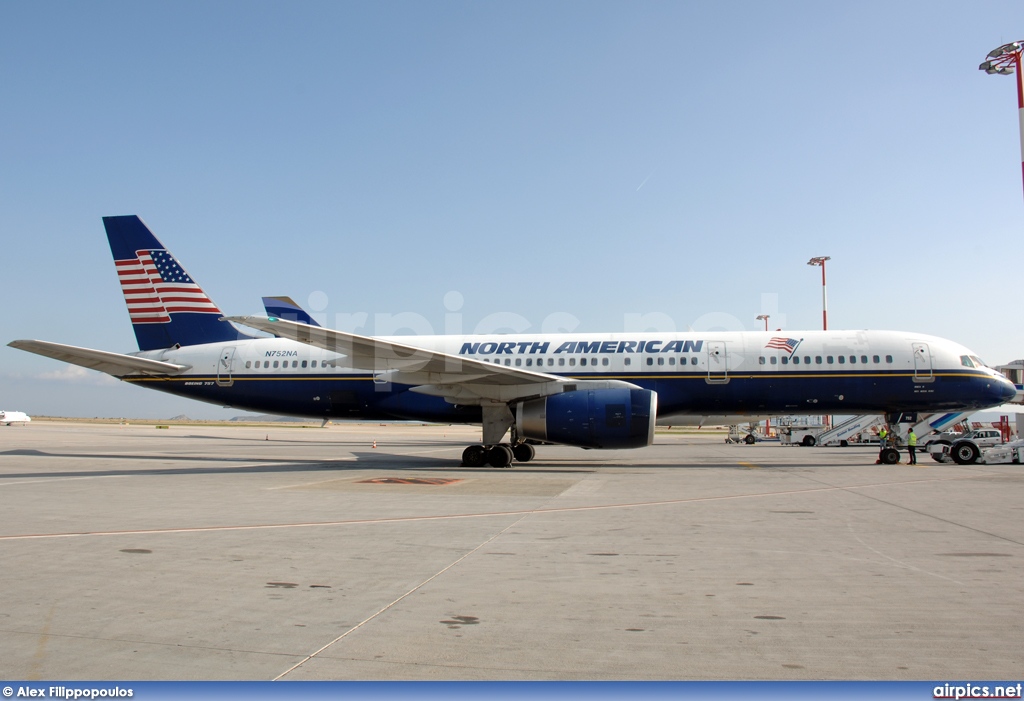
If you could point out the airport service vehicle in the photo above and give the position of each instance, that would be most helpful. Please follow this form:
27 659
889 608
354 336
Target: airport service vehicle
14 417
963 448
799 430
586 390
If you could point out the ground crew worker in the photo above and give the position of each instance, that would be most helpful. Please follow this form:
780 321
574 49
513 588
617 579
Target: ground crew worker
882 435
912 446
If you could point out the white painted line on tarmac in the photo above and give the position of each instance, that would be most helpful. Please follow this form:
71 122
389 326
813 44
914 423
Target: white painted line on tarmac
491 514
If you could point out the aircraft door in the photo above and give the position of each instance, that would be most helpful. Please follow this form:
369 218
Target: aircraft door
718 362
923 369
225 366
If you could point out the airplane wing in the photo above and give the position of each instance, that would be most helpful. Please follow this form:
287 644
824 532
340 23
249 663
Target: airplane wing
115 364
431 372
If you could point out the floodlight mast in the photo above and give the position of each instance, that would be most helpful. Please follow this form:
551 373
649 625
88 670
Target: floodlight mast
820 260
1006 60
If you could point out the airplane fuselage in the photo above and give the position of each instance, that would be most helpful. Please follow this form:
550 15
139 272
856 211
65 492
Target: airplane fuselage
812 372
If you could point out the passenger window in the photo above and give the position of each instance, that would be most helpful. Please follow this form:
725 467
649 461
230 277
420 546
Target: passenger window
774 360
842 360
561 361
519 362
817 360
785 360
508 361
807 360
693 360
796 360
248 364
671 361
828 359
305 363
604 361
529 362
661 361
593 361
572 362
275 363
312 364
583 362
888 358
650 361
295 363
853 359
551 361
628 362
864 359
760 361
875 359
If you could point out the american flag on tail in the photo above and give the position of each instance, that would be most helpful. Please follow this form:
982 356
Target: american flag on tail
155 286
787 344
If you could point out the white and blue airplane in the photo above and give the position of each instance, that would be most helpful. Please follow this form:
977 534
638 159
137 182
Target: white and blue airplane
585 390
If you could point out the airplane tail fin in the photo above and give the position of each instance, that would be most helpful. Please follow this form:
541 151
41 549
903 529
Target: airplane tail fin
286 308
166 306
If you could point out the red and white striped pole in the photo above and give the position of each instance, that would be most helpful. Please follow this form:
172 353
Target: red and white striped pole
820 260
1006 60
1020 107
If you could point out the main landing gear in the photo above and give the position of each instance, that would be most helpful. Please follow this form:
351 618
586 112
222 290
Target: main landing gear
496 455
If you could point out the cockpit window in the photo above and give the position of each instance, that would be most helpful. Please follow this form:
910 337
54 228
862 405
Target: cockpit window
978 362
965 360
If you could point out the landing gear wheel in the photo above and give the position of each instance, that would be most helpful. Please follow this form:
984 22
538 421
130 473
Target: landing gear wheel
499 456
808 441
965 454
890 456
749 440
523 452
474 456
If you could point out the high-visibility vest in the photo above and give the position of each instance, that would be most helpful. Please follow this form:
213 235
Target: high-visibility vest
882 434
912 439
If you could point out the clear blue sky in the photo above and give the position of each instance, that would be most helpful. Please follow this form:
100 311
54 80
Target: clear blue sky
592 159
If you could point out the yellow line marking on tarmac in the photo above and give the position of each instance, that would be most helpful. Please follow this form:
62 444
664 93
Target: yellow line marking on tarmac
490 514
750 465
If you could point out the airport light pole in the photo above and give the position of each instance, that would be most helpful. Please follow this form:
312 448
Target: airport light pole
820 260
1006 60
767 422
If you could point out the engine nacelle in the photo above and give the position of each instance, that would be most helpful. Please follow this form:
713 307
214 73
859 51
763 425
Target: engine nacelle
595 418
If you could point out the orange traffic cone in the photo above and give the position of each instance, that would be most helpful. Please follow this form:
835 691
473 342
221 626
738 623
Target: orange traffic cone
374 444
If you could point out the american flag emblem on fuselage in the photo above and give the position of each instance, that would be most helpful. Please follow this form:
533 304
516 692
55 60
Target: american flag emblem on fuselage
155 286
787 344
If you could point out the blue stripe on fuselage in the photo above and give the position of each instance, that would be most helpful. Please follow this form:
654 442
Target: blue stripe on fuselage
358 396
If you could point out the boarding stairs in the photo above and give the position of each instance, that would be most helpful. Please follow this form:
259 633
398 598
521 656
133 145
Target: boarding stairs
932 423
841 433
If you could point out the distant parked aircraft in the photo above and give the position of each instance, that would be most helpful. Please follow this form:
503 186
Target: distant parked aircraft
11 417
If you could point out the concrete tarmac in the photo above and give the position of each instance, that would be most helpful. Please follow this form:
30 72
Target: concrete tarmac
258 553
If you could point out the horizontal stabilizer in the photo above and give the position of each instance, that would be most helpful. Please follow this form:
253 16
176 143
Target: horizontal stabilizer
116 364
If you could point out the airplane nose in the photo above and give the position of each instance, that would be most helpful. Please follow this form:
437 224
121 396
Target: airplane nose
1008 391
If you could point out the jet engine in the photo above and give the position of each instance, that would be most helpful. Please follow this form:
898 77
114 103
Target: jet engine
597 418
